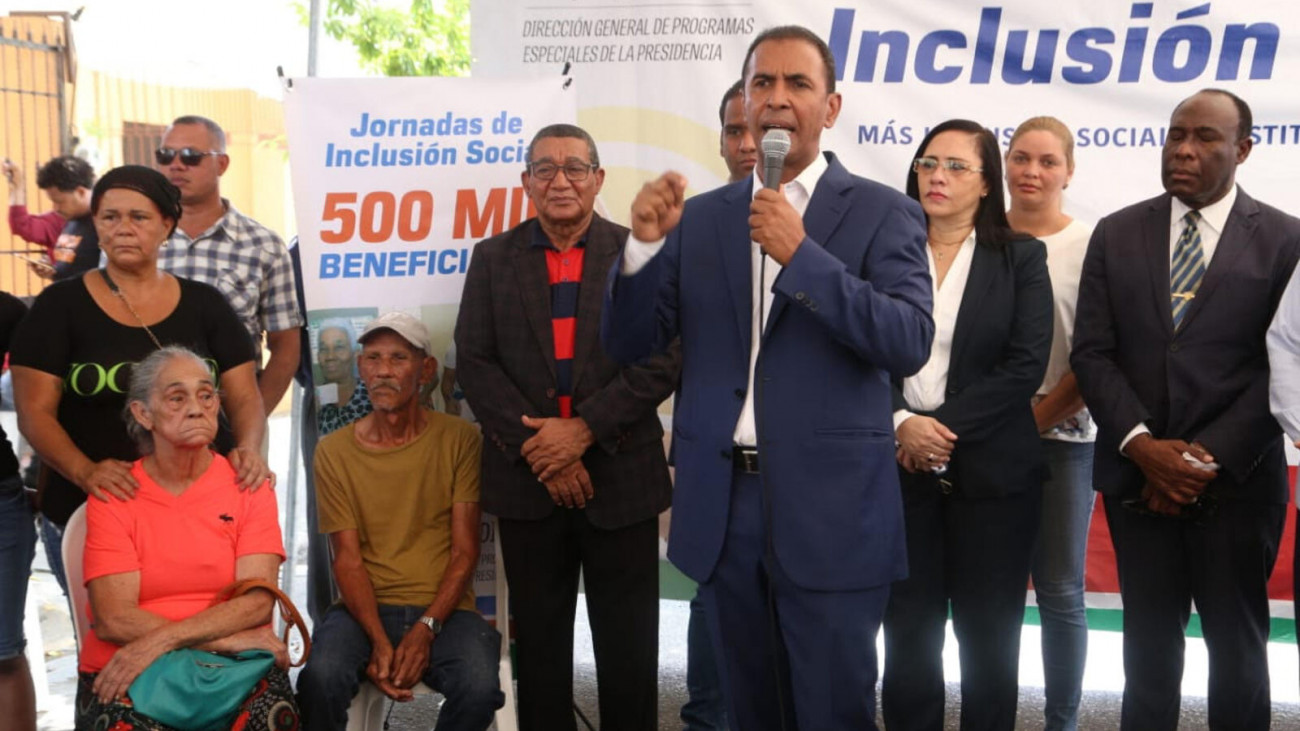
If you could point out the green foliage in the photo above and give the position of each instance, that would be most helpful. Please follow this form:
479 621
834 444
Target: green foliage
429 39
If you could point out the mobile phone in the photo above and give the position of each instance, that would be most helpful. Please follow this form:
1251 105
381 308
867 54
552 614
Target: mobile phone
31 260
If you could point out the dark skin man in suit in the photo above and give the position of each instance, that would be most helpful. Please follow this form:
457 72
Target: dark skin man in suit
1189 460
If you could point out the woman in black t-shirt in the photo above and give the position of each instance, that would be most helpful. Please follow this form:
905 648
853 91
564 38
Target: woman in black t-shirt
73 353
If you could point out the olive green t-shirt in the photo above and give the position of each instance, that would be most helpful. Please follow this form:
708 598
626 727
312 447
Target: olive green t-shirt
399 501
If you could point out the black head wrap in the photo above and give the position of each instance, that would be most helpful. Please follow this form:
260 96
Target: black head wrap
147 182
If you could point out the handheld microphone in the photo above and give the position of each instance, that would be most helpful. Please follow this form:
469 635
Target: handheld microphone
776 144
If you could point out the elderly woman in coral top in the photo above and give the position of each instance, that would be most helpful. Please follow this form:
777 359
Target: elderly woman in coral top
154 564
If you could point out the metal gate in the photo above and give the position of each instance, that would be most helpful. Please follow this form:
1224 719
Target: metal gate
36 74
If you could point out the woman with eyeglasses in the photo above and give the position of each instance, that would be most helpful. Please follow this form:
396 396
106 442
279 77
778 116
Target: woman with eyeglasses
73 354
970 462
1040 162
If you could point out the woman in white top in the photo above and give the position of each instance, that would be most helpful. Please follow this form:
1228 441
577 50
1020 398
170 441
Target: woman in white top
1040 161
969 453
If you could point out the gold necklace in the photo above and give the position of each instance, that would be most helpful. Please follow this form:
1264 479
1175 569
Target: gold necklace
112 286
938 254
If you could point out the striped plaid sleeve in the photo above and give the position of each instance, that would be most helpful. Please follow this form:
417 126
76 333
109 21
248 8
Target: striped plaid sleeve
278 304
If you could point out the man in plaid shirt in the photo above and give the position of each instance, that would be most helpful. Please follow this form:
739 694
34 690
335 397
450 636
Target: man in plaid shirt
216 244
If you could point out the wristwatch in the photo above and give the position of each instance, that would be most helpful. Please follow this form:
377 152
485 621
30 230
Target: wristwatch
432 623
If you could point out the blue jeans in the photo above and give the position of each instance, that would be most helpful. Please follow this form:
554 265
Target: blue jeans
17 547
463 665
705 709
52 539
1060 556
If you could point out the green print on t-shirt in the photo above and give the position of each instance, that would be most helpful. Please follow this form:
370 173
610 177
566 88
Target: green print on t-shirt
90 379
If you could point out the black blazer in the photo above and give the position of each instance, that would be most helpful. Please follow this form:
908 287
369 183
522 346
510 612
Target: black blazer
1208 381
505 360
999 354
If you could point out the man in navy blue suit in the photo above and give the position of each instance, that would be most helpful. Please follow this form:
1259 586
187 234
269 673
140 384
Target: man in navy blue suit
794 307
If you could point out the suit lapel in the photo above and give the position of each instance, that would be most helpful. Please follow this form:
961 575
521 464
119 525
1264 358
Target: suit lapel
983 267
1235 240
602 248
535 290
828 204
734 248
1155 241
826 208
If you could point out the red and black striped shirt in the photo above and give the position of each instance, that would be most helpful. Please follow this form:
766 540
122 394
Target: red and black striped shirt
564 271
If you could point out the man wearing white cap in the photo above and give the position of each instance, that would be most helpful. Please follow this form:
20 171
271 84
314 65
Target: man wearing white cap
398 494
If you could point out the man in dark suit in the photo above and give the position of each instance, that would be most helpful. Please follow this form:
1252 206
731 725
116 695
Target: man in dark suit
787 507
1176 296
566 427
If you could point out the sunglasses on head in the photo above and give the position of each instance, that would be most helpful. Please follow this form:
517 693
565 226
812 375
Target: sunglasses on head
189 155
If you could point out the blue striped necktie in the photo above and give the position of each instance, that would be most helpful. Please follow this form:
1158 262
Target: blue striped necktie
1187 267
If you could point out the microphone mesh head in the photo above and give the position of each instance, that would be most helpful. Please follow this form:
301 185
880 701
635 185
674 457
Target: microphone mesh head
776 142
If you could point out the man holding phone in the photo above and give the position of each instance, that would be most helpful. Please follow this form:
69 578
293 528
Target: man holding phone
74 246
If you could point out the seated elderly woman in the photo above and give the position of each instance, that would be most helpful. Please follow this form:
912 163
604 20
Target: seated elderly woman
154 564
336 352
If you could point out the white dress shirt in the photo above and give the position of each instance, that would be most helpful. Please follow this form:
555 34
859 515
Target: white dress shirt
1213 219
925 390
798 192
1284 359
1283 341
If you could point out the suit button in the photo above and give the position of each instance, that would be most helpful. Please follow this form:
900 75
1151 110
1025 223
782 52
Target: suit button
800 296
550 393
1173 348
740 393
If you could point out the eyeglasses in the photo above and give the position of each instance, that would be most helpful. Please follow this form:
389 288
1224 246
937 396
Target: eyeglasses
956 167
189 155
575 171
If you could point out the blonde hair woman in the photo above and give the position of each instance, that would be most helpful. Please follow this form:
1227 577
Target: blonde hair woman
1040 162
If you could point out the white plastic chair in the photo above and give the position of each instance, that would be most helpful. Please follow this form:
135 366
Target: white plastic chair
368 707
74 545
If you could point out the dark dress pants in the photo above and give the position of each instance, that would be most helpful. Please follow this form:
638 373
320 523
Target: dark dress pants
789 658
1222 562
974 556
620 575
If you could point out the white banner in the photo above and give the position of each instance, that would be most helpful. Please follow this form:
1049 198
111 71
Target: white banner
649 79
394 182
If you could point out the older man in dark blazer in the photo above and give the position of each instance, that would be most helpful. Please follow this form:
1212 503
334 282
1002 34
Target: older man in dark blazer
573 462
1176 296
